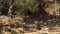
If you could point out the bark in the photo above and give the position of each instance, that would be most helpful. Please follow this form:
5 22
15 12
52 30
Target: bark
11 8
41 7
0 8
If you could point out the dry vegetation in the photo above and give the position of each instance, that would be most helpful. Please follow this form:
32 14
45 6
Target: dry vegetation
17 25
30 17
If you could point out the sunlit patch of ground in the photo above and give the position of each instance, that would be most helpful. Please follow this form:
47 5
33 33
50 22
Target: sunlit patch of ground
49 25
44 30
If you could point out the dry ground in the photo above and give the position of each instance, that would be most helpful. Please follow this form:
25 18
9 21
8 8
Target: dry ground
49 25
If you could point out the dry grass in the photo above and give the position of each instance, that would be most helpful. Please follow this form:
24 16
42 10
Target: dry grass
17 26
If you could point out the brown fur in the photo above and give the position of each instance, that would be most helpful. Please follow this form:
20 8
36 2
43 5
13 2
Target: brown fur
37 25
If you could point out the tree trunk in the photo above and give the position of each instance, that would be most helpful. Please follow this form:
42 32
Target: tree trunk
41 6
10 8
